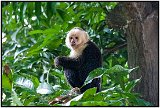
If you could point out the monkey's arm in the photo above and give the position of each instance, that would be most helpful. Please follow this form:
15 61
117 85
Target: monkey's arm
67 62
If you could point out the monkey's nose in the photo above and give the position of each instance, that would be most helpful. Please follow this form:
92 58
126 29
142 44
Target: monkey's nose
72 41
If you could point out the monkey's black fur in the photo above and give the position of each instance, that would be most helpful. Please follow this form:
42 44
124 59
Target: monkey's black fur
77 69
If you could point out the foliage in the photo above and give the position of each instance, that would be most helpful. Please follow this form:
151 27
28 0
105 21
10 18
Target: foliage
117 93
33 35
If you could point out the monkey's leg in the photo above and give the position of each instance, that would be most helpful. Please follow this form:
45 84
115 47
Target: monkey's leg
96 82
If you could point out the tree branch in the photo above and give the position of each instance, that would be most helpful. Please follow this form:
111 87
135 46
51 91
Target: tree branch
113 49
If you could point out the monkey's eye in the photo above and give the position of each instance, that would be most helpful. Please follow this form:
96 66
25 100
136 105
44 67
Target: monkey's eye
71 38
76 37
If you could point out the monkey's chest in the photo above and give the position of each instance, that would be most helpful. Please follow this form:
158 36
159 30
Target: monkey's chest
74 54
71 74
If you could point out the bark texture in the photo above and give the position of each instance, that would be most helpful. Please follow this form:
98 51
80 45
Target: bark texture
139 20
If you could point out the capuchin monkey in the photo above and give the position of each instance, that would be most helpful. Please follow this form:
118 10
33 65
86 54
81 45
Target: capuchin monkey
84 57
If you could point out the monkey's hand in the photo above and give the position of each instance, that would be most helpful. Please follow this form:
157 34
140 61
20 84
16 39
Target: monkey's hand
57 62
75 90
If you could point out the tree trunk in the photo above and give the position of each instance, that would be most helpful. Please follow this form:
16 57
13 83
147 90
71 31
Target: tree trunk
141 29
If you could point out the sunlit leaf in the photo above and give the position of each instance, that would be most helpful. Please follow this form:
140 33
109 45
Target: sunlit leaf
74 100
107 30
13 36
3 97
131 85
44 88
56 87
25 7
23 82
133 69
19 50
42 78
10 49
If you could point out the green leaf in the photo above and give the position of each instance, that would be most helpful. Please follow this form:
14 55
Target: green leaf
35 32
14 5
25 7
13 36
44 88
15 99
116 103
120 80
130 85
50 9
9 49
6 82
33 49
49 40
94 103
30 9
25 83
89 103
29 100
130 96
33 53
100 96
95 73
21 13
118 74
54 7
54 44
117 68
35 81
89 93
74 101
38 9
62 14
112 4
19 50
133 69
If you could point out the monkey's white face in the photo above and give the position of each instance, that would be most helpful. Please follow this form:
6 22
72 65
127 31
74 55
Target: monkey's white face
76 38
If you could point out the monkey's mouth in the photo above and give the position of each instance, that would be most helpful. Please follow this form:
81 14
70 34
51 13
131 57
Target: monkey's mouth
73 44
